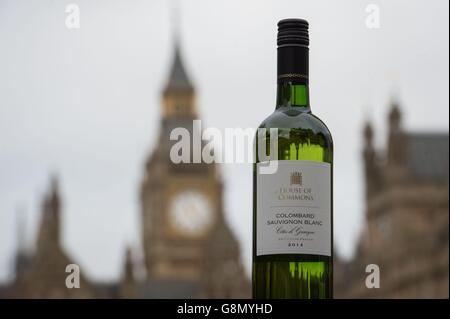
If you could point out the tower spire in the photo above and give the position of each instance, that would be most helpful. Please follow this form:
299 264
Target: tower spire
22 254
21 231
175 17
49 232
396 147
178 79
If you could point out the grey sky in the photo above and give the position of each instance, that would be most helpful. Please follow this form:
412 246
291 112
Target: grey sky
86 103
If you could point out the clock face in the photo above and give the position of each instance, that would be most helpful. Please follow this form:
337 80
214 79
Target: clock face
190 213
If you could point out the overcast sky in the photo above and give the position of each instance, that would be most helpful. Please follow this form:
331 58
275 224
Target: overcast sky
85 103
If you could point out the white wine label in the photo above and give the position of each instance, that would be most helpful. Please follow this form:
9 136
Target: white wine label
293 209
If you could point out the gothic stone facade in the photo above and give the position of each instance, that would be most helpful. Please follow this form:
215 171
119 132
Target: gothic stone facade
407 226
43 274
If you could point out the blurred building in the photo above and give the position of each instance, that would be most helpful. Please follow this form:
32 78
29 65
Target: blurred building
407 226
42 274
189 249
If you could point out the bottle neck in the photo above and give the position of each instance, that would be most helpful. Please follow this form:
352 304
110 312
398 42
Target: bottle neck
293 95
292 77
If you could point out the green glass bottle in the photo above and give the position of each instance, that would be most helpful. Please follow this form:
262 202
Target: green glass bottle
292 204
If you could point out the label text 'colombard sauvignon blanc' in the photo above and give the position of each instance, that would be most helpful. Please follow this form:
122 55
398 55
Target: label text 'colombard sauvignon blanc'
294 209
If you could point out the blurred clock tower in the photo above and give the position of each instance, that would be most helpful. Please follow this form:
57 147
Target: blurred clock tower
182 211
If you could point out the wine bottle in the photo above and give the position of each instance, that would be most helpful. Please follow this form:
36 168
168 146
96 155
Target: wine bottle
292 204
